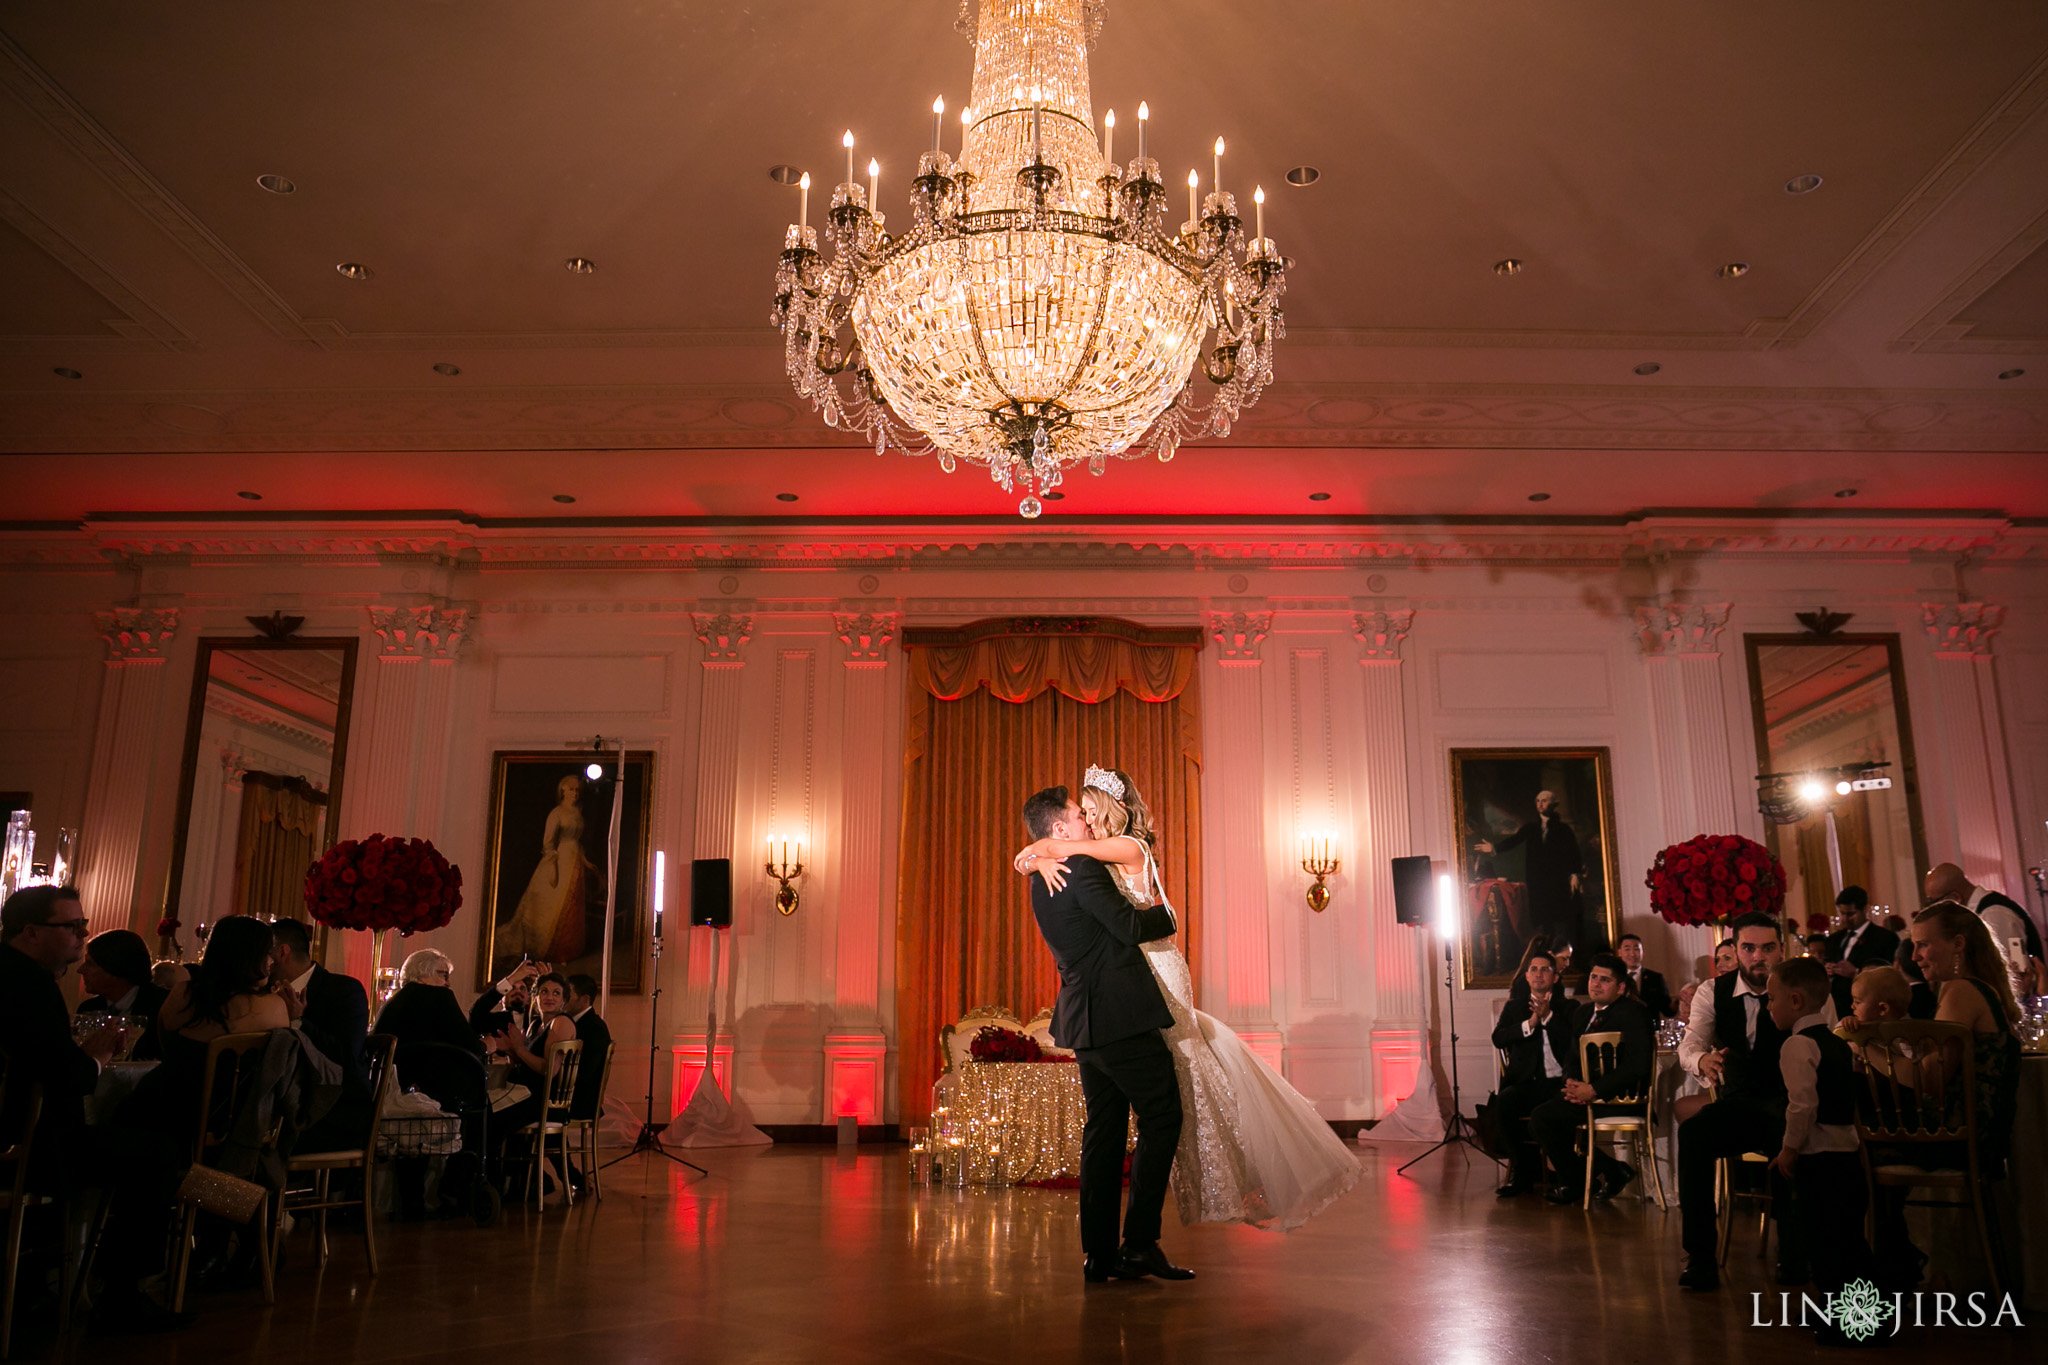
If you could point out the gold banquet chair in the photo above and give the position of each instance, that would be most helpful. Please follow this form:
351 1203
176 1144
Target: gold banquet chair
220 1093
321 1166
584 1130
558 1097
1921 1078
1597 1057
1039 1028
956 1039
18 1199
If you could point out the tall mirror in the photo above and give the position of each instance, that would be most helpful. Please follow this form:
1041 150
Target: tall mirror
1839 786
265 749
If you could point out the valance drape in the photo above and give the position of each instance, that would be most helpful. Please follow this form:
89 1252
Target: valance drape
997 711
283 820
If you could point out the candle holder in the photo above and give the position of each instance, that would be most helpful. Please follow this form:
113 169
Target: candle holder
785 869
1319 860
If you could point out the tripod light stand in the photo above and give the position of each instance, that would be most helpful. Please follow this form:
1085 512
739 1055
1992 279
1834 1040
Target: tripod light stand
1456 1129
649 1139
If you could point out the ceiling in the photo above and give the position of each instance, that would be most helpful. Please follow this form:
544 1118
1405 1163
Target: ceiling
463 152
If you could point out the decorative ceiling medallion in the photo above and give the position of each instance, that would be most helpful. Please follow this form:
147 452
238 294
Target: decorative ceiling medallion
1034 311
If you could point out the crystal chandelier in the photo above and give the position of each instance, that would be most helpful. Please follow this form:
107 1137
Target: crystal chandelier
1035 312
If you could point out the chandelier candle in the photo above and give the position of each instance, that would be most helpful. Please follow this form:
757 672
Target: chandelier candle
1259 198
1109 137
847 142
803 202
875 188
1215 181
1034 313
1194 214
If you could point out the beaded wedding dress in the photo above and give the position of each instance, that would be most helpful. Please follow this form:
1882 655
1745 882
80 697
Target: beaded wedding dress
1252 1150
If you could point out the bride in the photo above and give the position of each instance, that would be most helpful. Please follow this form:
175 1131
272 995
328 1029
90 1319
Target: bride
1252 1149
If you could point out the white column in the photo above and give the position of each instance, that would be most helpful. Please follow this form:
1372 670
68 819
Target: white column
1398 988
856 1049
117 795
1239 787
401 760
723 637
1976 823
1696 775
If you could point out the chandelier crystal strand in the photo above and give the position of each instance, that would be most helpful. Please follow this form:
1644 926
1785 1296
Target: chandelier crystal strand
1034 313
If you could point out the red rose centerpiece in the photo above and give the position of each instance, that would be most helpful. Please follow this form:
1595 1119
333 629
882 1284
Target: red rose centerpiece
995 1044
383 883
1715 877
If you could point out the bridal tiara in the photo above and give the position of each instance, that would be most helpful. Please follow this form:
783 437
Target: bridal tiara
1104 781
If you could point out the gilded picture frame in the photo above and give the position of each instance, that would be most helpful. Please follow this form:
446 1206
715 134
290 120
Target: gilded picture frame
543 893
1522 885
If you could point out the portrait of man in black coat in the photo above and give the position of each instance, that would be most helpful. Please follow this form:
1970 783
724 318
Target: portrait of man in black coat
1553 867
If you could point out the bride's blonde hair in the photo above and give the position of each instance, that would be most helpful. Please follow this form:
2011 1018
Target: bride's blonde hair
1129 816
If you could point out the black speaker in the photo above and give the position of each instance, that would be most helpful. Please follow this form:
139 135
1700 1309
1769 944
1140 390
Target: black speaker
711 892
1414 890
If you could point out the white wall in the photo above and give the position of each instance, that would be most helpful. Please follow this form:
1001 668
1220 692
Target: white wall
1352 660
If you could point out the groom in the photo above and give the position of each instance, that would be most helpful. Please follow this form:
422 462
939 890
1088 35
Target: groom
1110 1012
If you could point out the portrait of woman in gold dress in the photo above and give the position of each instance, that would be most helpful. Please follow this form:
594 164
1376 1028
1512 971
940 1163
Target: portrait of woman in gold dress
548 925
549 830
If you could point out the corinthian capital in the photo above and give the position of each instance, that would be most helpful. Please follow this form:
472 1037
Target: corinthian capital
865 634
1682 628
1961 627
1381 634
722 635
1238 634
137 632
421 632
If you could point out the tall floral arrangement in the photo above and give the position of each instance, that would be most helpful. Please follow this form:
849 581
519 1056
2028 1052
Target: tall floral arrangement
383 883
1715 877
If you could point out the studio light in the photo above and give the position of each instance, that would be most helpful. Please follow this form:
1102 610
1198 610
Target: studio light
1447 907
594 771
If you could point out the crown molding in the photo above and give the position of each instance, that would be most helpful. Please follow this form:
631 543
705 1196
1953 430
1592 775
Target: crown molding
1936 331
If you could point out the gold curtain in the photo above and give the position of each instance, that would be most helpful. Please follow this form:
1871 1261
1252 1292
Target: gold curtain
965 932
282 824
1852 837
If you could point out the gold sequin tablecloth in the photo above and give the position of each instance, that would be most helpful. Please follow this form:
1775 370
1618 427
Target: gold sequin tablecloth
1016 1121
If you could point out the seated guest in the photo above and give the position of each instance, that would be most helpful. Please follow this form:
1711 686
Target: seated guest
505 1005
229 992
1723 963
116 969
423 1011
2007 923
1879 995
1536 1033
1817 1158
1732 1043
529 1053
333 1012
1557 1119
597 1044
42 932
1648 985
1857 945
1955 950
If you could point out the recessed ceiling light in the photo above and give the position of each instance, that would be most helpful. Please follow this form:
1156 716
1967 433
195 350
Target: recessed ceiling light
2002 374
1734 270
1648 367
353 270
564 497
1319 497
276 184
1845 492
785 175
252 497
66 372
1054 496
445 368
785 497
581 265
1802 184
1304 175
1539 497
1510 266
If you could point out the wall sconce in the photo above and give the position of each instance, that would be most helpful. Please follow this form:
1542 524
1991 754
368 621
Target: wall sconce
785 869
1319 860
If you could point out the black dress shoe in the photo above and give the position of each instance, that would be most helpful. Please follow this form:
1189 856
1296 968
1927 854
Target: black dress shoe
1701 1279
1561 1194
1512 1189
1612 1181
1154 1262
1101 1269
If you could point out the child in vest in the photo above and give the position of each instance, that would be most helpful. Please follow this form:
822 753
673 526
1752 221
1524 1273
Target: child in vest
1819 1156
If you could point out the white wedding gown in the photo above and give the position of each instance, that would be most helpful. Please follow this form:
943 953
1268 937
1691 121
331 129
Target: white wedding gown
1252 1150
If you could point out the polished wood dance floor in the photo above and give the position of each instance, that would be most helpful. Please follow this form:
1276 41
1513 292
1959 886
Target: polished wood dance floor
801 1254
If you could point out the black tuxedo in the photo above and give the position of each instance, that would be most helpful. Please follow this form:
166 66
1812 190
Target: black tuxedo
596 1037
336 1021
149 1002
1747 1116
491 1015
1556 1121
1551 858
1654 994
1525 1084
1110 1012
1874 947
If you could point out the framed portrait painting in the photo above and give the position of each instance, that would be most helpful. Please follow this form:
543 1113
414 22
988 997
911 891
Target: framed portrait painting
1535 841
550 827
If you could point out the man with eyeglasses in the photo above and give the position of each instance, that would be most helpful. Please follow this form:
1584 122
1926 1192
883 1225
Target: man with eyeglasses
42 933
